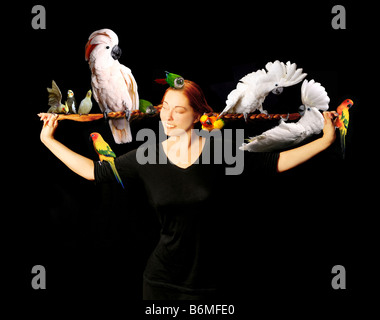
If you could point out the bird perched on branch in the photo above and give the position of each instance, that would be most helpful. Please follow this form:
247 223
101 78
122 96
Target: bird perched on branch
342 122
173 80
113 85
85 105
71 102
253 88
147 107
55 98
314 98
105 153
212 122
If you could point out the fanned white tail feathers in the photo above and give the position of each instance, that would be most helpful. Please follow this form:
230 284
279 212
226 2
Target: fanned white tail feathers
315 98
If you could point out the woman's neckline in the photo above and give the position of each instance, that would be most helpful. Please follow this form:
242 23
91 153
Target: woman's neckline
190 165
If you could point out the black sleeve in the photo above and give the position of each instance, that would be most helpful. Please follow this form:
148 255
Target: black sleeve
261 162
126 165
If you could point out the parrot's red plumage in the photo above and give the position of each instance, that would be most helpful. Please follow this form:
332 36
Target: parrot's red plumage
88 50
161 81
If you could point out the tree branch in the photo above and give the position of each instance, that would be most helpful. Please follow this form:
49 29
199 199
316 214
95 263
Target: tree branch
138 114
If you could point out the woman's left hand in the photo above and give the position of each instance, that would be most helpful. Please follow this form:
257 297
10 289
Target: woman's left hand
329 134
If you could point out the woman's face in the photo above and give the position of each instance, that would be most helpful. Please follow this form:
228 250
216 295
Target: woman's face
177 115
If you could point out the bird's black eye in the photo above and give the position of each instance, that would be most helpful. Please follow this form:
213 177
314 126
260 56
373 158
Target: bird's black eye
308 109
107 47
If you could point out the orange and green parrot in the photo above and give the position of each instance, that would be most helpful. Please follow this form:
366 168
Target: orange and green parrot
342 122
105 153
211 122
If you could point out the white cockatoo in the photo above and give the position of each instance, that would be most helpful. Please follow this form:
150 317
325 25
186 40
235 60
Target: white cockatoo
314 98
113 85
253 88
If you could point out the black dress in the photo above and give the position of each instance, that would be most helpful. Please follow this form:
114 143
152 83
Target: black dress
193 256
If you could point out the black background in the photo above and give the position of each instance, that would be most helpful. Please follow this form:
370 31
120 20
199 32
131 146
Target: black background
298 226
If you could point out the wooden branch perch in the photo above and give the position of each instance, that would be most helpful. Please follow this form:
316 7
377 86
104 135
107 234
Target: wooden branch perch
138 114
90 116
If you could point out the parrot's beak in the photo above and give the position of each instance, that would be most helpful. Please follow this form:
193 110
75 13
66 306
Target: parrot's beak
277 90
301 110
116 52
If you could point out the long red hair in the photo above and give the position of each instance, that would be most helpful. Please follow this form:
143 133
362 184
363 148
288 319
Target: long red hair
194 94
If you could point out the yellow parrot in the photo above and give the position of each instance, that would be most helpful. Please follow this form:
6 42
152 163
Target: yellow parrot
342 121
105 153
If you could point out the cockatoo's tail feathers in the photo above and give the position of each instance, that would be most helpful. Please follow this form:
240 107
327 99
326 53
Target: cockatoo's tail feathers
313 94
121 130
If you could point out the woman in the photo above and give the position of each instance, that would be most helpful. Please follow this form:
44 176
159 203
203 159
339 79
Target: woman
189 258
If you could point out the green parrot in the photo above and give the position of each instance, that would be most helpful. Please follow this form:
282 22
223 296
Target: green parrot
147 107
174 80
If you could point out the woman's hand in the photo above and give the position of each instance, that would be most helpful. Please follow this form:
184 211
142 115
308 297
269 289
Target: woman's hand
50 125
294 157
329 134
77 163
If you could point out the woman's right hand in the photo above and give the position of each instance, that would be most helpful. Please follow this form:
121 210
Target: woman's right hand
50 125
77 163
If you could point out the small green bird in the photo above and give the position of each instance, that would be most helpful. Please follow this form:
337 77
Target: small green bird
86 104
173 80
55 98
147 107
105 153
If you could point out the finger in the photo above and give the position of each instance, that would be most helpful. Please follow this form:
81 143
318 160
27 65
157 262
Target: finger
329 115
55 123
326 116
43 116
51 120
